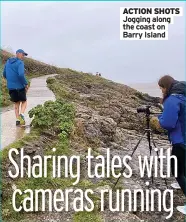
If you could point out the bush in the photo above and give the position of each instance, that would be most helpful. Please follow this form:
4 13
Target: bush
51 80
53 115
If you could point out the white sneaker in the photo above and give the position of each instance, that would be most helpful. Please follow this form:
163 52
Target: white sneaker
175 186
181 209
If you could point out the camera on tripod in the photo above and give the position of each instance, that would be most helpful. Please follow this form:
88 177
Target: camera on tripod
149 136
145 110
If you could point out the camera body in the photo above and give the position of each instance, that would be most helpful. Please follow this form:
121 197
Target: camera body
145 110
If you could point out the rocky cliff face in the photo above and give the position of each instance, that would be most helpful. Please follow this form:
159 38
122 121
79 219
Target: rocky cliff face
106 117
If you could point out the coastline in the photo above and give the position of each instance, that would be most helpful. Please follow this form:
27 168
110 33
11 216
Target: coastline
149 88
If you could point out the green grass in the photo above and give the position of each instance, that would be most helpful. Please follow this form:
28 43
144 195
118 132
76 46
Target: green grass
87 217
60 90
4 97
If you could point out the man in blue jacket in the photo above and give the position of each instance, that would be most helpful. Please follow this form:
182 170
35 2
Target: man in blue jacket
17 84
173 120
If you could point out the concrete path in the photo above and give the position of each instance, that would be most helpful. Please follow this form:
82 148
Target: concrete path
38 93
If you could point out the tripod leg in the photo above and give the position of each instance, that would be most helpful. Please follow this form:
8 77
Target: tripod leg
150 148
157 153
135 148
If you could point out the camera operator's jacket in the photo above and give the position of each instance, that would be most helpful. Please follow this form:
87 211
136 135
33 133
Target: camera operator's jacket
173 116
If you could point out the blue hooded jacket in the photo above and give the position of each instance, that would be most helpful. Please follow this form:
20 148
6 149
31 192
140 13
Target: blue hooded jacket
173 117
14 73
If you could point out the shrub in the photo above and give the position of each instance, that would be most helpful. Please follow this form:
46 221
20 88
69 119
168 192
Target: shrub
53 115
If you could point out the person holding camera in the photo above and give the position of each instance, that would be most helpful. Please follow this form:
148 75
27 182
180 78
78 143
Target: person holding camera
173 120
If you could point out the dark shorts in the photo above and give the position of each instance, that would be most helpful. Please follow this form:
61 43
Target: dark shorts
18 95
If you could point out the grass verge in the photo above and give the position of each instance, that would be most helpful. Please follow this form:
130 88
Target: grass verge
44 120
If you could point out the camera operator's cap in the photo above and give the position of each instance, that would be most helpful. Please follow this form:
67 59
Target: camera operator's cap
21 51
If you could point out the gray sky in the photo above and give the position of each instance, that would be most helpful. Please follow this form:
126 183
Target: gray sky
85 36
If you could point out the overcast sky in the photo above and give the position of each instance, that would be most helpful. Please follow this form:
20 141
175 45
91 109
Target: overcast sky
85 36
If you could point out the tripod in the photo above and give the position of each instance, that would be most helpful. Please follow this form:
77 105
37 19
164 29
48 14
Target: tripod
149 135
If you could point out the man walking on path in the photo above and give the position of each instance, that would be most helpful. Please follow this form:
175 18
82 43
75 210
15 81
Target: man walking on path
17 84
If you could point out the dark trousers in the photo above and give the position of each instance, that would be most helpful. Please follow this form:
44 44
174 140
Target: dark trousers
179 150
